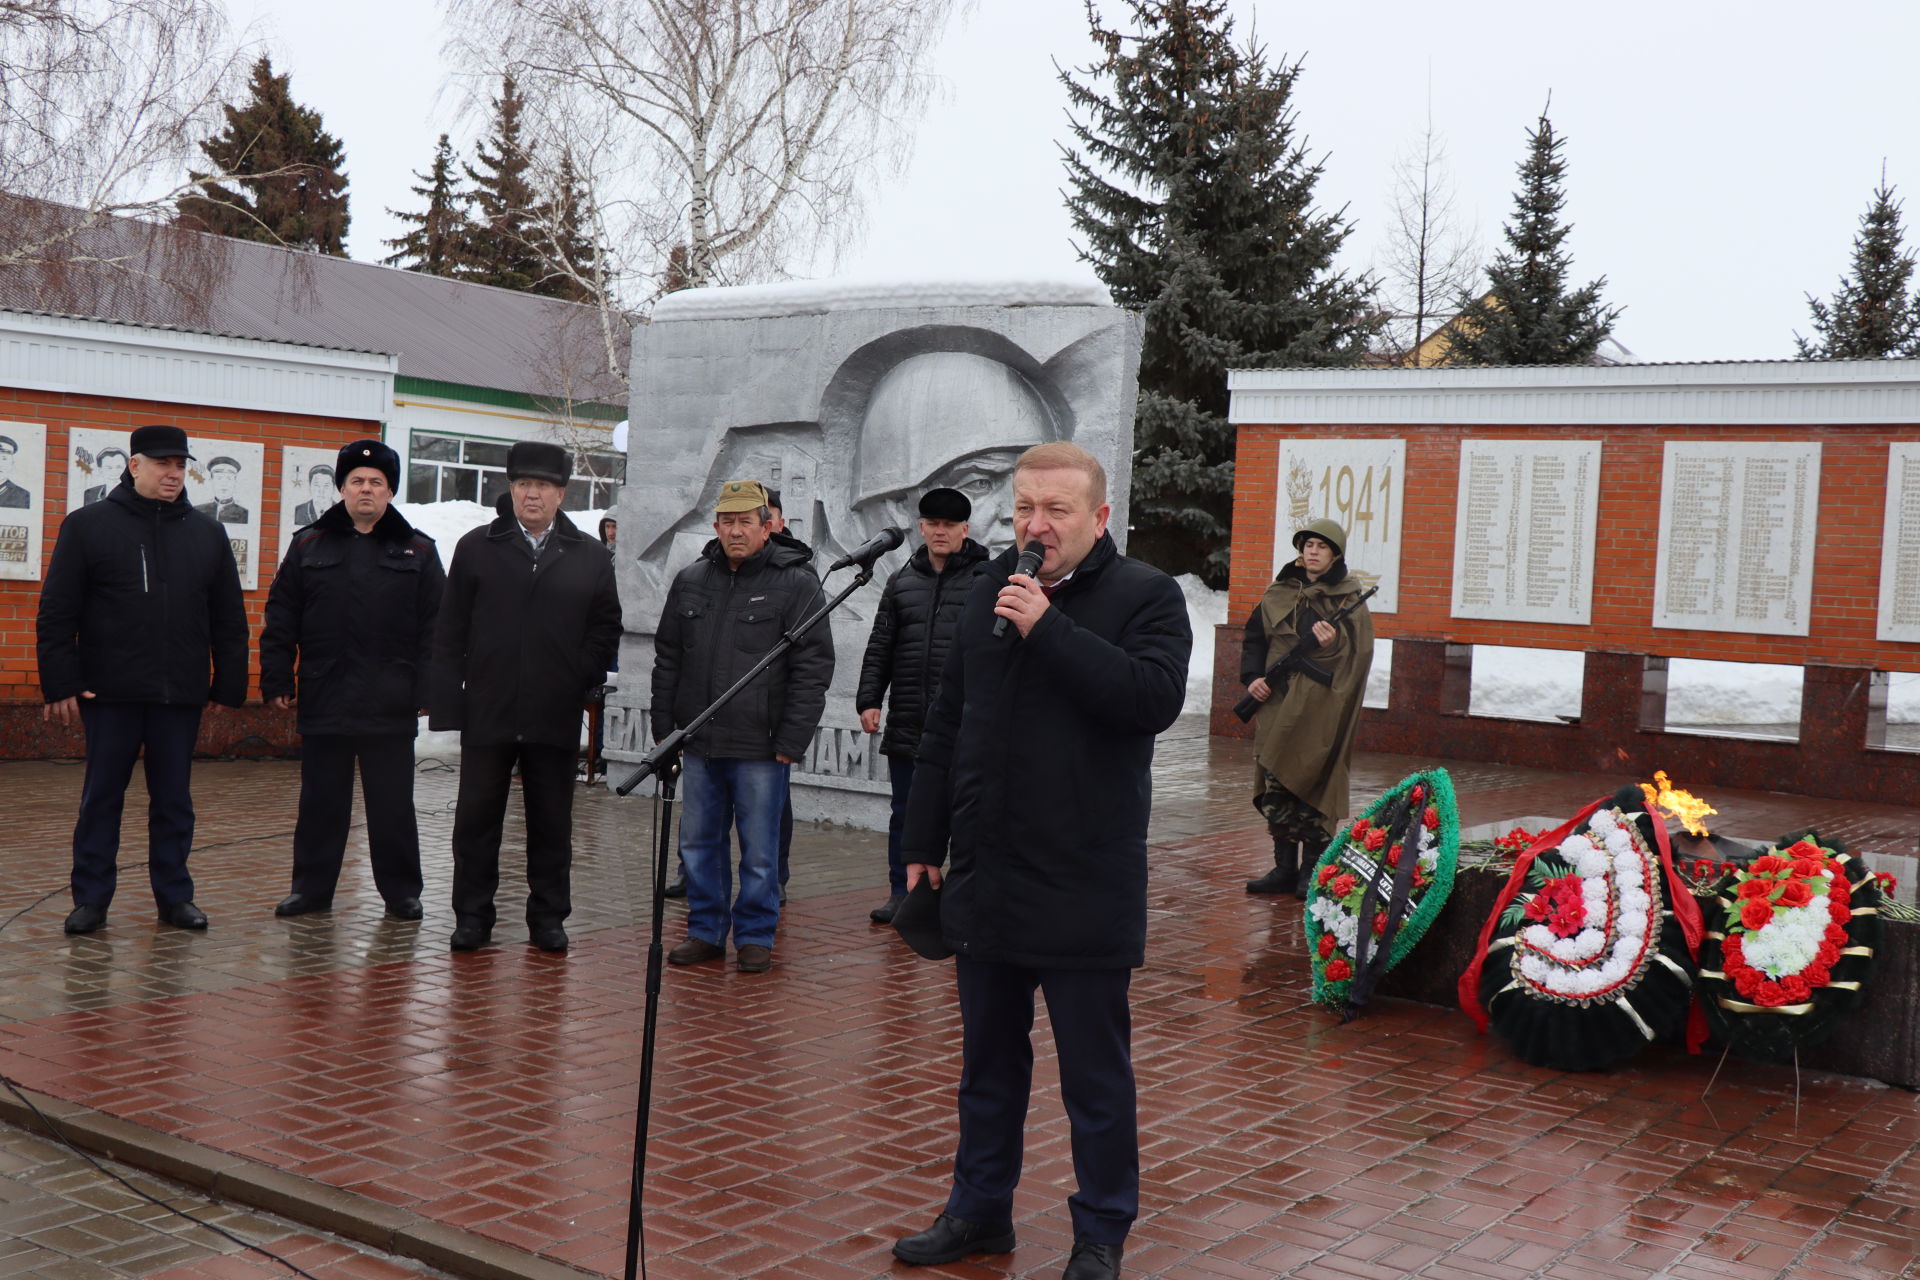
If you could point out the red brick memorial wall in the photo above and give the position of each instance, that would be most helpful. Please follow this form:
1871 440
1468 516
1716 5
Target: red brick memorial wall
1620 729
251 730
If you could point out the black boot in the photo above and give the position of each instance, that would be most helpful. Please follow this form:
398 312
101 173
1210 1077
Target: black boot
1311 851
1285 876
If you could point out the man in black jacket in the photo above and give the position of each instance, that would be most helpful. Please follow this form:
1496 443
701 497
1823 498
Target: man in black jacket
1035 770
527 627
912 630
356 598
142 589
722 614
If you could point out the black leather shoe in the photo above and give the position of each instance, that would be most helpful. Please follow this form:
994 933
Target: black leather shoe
883 914
950 1239
183 915
468 936
1092 1261
548 936
404 909
678 889
86 917
300 904
695 951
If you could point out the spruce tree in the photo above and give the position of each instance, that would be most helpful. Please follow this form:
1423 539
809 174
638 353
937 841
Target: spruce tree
1193 191
292 189
1873 314
1527 314
571 255
500 246
433 244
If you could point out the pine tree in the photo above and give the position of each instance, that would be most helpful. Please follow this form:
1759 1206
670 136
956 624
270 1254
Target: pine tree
292 189
433 245
1193 191
500 246
1527 315
1873 314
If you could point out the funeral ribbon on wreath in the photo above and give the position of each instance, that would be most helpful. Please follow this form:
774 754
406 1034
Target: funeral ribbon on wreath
1378 887
1589 951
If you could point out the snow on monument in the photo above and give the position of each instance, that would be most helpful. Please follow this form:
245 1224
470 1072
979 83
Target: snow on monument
852 400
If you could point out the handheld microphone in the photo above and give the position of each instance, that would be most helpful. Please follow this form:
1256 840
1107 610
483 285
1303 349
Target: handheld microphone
872 549
1029 563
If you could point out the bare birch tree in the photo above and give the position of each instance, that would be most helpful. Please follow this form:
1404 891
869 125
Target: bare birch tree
721 138
101 103
1430 258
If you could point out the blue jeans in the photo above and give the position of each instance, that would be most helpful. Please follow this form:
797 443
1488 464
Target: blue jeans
900 773
717 796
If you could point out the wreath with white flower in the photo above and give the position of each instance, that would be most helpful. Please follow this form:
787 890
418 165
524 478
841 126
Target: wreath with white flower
1367 874
1582 961
1794 949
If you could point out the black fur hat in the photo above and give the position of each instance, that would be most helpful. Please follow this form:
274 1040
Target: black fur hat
538 460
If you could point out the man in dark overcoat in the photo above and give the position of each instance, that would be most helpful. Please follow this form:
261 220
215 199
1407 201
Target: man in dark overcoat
141 593
1034 776
912 631
354 604
527 627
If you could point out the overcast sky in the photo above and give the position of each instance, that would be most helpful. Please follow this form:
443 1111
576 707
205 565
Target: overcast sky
1719 155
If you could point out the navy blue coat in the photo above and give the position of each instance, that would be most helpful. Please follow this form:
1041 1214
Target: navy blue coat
140 595
359 610
1035 766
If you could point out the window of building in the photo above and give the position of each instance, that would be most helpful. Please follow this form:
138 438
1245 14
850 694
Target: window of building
1734 699
447 468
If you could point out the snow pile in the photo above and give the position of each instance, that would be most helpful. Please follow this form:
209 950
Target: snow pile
445 522
1206 609
1527 684
811 297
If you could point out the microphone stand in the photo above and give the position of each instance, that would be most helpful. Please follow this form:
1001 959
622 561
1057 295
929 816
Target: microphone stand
663 762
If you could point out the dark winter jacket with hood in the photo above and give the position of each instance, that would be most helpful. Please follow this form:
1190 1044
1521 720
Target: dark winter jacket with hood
716 624
519 642
359 611
912 631
1035 766
139 595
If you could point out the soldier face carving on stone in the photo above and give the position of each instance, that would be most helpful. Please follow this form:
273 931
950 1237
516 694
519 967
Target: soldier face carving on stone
947 419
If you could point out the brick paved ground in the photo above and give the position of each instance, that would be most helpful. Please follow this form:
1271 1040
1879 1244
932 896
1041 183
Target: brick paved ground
805 1116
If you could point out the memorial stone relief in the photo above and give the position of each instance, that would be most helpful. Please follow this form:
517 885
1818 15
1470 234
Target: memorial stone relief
1360 483
1524 531
1899 618
1736 536
852 401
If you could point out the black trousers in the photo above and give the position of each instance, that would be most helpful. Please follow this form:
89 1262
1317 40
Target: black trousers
546 787
116 733
326 812
1093 1032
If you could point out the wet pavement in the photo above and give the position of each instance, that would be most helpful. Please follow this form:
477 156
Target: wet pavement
804 1117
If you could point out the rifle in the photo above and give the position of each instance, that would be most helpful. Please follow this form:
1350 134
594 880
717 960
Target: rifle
1297 659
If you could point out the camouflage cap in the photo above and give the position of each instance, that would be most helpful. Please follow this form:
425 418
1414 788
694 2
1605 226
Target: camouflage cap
741 495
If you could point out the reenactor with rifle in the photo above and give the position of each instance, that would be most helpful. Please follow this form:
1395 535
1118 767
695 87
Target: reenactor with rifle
1314 624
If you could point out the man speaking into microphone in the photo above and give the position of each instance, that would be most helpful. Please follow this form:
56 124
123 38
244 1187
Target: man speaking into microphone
1034 774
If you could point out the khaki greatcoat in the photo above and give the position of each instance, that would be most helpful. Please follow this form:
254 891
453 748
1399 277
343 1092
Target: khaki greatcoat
1305 738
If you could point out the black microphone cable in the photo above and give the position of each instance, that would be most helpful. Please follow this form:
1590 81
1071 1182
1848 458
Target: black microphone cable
60 1136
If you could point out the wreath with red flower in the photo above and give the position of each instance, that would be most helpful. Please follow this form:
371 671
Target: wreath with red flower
1379 886
1587 954
1794 948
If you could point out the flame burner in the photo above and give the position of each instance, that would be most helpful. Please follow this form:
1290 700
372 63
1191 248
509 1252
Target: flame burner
1718 848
